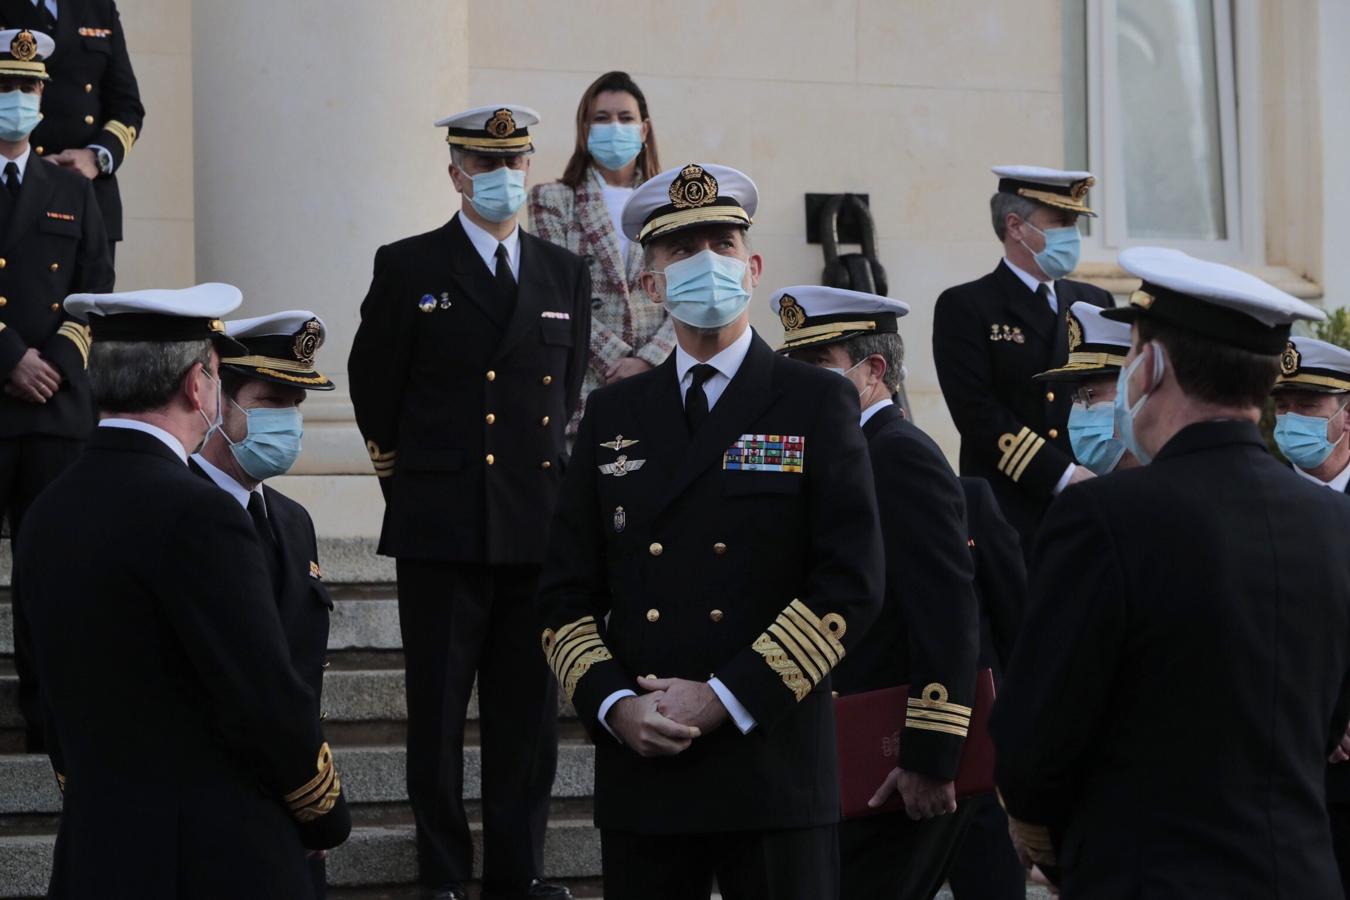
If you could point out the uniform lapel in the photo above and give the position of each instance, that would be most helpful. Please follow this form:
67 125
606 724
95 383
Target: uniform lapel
880 419
474 280
598 235
534 289
36 190
286 543
1023 305
748 395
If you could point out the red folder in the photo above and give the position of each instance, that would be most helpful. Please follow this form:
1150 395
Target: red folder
868 731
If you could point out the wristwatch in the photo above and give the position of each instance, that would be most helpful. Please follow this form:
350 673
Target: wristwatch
105 160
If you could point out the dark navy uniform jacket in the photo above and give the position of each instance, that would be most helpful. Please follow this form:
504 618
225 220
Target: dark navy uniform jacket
1181 677
53 245
751 552
989 337
463 402
189 750
92 97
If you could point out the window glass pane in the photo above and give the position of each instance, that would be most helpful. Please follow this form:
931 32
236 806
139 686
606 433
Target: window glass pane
1075 40
1170 119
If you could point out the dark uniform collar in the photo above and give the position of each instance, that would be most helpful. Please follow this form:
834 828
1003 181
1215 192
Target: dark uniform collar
1200 436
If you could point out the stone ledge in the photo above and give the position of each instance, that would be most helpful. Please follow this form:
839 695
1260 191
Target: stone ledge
376 695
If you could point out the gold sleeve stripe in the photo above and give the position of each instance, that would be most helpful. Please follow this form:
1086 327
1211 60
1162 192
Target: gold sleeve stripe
377 454
318 796
830 626
1036 838
1026 460
787 670
572 650
815 668
935 726
817 633
78 335
125 134
934 716
1018 452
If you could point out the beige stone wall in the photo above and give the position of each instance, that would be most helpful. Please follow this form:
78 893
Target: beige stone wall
911 102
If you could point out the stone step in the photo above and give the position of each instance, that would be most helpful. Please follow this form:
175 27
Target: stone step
370 775
376 695
373 855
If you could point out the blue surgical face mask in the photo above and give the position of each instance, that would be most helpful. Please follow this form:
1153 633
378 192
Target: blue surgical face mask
1060 256
212 424
1092 434
1303 439
614 145
499 193
19 114
1124 414
707 290
272 443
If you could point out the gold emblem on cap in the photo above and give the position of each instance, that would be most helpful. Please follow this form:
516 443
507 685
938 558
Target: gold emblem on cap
1075 332
693 188
501 125
216 325
790 314
307 342
1078 190
1141 299
1289 360
24 46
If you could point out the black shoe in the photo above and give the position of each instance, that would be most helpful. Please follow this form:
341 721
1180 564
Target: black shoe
537 889
446 892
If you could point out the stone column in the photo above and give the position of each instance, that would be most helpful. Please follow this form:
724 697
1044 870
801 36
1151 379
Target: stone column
314 146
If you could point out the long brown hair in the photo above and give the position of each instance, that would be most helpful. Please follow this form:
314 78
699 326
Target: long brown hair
648 163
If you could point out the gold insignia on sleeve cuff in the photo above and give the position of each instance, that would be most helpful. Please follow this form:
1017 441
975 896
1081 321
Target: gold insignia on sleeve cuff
801 647
125 134
1018 452
572 650
78 335
318 795
1036 840
383 461
930 711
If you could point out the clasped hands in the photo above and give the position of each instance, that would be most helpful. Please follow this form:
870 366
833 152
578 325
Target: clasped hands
34 379
665 720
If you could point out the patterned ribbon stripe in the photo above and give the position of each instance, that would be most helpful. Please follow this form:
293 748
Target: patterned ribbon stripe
766 453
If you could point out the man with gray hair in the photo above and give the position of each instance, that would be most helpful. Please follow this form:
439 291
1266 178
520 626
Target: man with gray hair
147 591
992 335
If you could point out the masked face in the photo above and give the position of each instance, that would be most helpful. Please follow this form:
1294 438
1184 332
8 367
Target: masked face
498 193
1126 414
212 420
1305 440
707 290
271 444
1092 434
1059 257
613 144
19 114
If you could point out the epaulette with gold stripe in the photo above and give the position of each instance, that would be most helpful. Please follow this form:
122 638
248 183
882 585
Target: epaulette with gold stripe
802 647
930 711
317 796
80 336
383 461
1018 452
572 650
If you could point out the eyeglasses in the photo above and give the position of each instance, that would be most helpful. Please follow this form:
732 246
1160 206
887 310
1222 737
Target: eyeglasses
1083 395
23 85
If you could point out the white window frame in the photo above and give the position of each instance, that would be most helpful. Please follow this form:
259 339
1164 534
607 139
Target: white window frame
1237 80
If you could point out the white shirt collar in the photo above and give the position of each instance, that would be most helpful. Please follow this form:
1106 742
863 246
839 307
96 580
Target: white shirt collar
146 428
21 162
874 409
486 245
727 362
1031 282
1337 484
225 481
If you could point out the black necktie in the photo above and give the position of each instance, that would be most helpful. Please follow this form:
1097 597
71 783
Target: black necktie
12 181
695 400
506 282
266 538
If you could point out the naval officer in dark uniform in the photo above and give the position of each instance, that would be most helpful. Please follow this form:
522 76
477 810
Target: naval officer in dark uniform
928 634
92 112
992 335
188 750
1182 675
465 369
51 244
715 554
1311 431
259 438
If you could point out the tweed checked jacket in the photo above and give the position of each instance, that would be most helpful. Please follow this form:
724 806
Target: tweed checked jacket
623 321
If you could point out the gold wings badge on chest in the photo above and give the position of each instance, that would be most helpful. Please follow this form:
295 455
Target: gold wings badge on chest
618 444
622 466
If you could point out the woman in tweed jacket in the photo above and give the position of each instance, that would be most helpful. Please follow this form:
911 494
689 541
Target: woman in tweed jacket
629 333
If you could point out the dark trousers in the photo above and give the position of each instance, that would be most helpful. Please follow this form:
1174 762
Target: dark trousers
27 465
893 857
1340 839
458 621
791 864
987 867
